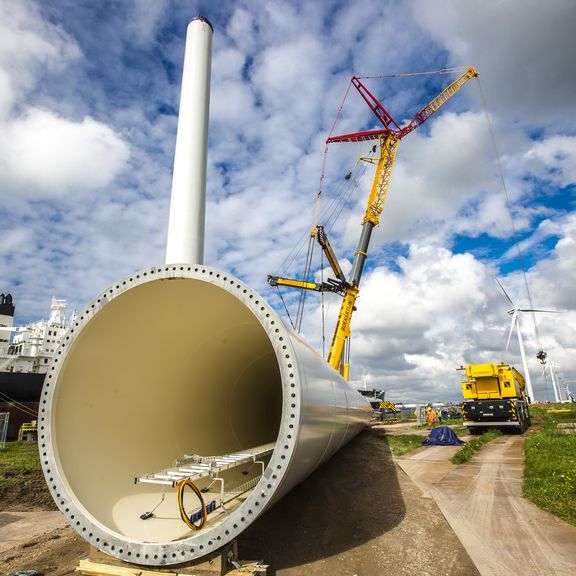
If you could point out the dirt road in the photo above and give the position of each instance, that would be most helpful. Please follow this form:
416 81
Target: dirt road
504 534
18 527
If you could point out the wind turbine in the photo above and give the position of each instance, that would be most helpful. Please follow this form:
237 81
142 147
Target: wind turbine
555 383
515 313
548 365
569 394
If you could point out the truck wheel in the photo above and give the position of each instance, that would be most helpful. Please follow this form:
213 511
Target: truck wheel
475 431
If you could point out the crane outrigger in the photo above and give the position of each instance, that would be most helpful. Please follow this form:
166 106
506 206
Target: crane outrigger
388 138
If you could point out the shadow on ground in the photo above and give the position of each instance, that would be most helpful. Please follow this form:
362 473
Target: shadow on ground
350 500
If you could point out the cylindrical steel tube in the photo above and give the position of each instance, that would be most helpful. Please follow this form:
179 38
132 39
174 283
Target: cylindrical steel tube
177 360
188 199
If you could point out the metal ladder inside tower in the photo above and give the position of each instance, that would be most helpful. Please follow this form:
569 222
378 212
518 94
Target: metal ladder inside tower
195 468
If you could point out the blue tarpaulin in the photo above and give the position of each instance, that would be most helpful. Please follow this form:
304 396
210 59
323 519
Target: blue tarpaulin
442 436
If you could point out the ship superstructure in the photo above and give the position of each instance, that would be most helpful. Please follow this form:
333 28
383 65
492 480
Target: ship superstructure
29 348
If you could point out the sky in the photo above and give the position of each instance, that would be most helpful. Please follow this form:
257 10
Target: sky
89 96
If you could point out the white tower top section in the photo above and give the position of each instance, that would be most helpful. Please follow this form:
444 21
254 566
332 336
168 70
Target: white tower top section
188 201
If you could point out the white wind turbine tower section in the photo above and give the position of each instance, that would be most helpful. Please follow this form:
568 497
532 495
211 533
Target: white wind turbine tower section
569 394
550 366
185 241
515 313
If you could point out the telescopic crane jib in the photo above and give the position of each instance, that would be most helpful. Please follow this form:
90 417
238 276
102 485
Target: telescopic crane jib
388 138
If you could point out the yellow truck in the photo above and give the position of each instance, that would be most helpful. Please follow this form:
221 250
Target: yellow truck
494 397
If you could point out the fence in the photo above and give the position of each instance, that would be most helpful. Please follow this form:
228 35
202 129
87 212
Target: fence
4 416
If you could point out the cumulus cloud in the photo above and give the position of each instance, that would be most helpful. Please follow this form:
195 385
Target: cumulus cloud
28 45
416 325
553 278
521 49
554 159
44 154
431 283
445 170
144 18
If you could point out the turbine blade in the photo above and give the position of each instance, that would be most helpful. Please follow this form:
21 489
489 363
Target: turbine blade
505 293
531 310
514 317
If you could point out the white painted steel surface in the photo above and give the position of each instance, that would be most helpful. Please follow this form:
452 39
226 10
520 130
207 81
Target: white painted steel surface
174 360
527 378
188 200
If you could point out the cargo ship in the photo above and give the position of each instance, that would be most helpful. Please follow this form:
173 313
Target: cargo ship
25 354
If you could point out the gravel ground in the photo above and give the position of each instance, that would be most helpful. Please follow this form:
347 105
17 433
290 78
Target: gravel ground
359 514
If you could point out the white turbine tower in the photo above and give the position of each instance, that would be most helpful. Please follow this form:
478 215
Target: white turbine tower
550 366
515 313
569 394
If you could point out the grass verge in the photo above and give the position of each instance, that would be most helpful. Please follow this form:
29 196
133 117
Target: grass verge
17 455
402 444
472 446
550 463
20 455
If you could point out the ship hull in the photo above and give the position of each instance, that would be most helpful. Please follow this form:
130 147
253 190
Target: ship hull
20 396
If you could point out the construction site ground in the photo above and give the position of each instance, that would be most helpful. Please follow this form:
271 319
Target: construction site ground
362 513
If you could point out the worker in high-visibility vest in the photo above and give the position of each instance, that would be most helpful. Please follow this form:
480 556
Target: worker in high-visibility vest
430 416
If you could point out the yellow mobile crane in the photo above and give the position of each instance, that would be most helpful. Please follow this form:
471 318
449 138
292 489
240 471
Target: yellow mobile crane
388 139
494 397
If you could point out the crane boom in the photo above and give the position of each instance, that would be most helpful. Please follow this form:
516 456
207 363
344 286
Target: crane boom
381 182
389 138
327 247
435 104
379 111
386 119
374 207
337 285
329 286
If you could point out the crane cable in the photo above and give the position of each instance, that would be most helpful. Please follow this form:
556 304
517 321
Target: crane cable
293 254
19 405
342 195
509 209
183 514
308 264
454 70
332 214
336 207
306 276
325 158
285 307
